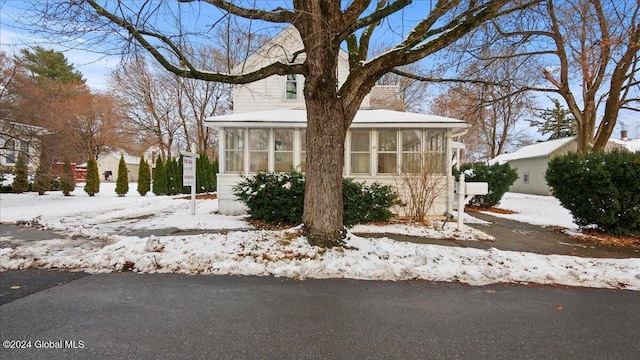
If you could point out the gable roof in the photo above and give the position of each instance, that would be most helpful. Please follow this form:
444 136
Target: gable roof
540 149
632 145
379 118
279 48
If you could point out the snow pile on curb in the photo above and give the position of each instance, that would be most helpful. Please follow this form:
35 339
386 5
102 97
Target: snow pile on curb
287 254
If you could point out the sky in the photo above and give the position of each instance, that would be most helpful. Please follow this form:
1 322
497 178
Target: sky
96 67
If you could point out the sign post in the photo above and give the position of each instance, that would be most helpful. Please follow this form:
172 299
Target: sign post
189 175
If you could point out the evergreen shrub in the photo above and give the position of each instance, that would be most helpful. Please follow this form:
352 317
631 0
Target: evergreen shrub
499 177
67 181
21 181
602 190
122 182
144 177
278 199
159 178
92 186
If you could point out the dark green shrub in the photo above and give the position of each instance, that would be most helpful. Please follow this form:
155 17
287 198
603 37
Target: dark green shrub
42 180
499 177
144 177
278 198
275 198
21 181
601 190
67 180
92 185
159 178
122 182
174 177
365 204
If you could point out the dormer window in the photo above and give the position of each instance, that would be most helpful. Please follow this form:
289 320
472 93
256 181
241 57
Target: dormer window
292 87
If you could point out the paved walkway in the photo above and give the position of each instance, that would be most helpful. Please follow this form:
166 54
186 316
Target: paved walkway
518 236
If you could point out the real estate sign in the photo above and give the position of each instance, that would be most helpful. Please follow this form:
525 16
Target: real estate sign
189 171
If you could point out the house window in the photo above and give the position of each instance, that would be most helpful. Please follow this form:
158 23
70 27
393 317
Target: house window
258 150
387 151
283 146
411 150
292 87
24 149
525 177
360 152
234 150
434 160
10 151
303 150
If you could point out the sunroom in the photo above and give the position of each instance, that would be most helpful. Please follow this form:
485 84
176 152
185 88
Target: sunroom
381 146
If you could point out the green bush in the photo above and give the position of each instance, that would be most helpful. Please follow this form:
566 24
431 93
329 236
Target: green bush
122 182
159 178
67 181
144 177
364 204
602 190
43 178
92 186
499 177
278 198
21 181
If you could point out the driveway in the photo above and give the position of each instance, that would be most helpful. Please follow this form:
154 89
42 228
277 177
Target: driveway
128 315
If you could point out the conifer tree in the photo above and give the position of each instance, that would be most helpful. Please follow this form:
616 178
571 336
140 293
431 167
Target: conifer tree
159 178
122 182
144 177
556 121
92 186
173 185
67 181
42 181
21 182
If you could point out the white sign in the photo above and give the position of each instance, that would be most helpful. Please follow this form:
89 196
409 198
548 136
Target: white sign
189 171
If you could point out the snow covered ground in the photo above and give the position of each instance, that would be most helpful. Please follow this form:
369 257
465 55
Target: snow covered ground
95 241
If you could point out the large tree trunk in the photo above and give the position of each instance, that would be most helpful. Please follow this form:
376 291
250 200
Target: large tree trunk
325 160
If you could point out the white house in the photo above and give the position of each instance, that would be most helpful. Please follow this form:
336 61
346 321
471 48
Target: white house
17 138
267 130
531 161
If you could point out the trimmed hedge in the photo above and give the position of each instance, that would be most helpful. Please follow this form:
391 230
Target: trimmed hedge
278 199
602 190
499 177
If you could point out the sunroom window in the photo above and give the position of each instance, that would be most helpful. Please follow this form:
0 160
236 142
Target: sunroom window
411 150
283 146
387 151
258 150
234 150
360 152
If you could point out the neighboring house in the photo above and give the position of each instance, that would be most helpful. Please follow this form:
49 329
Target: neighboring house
108 166
531 161
267 129
16 138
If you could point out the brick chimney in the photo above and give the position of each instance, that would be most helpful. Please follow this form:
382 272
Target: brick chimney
623 134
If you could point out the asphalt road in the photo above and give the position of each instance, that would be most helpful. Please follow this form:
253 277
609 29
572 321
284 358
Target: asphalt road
127 315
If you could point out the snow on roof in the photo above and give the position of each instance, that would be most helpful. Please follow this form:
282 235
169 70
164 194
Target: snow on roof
363 118
632 145
531 151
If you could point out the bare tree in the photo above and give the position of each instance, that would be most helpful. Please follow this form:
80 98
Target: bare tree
324 26
586 51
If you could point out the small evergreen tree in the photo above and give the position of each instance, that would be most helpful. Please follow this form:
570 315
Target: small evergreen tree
42 181
122 182
170 172
557 121
159 178
67 180
92 186
21 181
144 177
